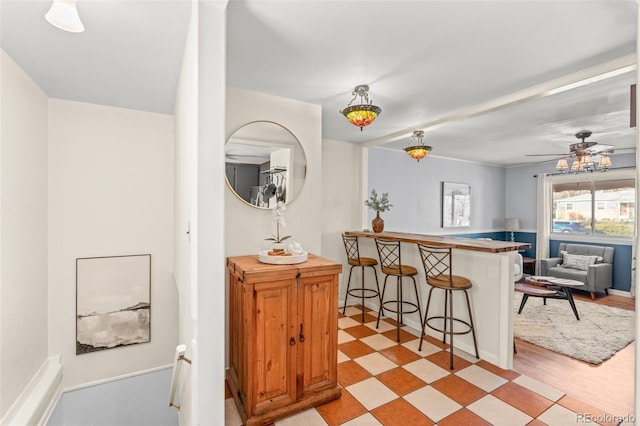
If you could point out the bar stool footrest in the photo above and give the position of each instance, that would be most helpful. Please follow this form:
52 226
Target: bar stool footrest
394 303
447 319
369 293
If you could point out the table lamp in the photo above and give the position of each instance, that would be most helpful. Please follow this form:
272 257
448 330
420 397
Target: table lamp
512 224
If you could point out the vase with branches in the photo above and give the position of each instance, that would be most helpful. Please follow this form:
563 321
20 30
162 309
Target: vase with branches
380 204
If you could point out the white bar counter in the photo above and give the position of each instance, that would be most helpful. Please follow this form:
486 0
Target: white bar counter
489 264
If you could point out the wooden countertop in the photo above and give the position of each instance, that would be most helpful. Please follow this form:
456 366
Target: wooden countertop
475 244
248 268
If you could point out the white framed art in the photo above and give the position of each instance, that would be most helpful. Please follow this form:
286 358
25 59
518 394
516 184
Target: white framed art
113 302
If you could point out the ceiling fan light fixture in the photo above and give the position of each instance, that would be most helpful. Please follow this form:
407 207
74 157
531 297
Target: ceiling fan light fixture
419 151
363 114
577 166
605 162
64 15
562 165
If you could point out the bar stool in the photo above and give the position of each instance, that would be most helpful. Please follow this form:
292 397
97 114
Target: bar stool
391 265
354 259
437 268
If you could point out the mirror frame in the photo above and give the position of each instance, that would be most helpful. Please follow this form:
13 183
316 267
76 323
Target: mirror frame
304 155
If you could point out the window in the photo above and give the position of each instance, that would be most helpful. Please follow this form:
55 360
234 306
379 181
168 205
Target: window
604 207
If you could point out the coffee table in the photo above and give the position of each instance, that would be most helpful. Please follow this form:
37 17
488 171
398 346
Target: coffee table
548 288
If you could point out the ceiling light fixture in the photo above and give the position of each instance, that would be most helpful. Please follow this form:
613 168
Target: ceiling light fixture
577 166
64 15
363 114
420 150
605 162
585 163
562 165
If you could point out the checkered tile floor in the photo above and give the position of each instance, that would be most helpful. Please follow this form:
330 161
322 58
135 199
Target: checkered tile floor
390 383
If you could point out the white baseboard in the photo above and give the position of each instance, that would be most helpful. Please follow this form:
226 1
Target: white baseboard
615 292
37 400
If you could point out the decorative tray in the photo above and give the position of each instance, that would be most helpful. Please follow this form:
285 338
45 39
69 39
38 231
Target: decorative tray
285 259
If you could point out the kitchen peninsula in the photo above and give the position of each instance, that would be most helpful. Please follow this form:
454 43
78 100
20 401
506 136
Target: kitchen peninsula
489 264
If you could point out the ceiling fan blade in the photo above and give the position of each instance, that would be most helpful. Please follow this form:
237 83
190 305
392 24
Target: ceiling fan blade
547 161
624 149
599 149
547 155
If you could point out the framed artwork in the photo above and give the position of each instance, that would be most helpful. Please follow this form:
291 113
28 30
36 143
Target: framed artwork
456 205
113 302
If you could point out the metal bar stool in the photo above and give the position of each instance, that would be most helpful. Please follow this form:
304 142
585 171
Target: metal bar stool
437 268
355 260
391 265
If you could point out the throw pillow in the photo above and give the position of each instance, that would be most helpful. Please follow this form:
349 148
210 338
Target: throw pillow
563 252
577 261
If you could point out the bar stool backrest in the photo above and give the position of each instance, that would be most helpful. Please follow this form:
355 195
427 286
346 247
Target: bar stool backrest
351 247
389 253
437 262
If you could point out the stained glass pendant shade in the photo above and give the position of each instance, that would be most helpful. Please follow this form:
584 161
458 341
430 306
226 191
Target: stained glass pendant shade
419 150
363 114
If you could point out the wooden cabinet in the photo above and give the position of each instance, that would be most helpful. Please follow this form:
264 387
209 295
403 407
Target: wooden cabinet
283 336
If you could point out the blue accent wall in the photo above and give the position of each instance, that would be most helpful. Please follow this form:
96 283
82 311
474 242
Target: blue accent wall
521 237
621 262
497 235
527 237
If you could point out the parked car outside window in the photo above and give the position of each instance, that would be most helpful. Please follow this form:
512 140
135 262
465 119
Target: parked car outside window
568 226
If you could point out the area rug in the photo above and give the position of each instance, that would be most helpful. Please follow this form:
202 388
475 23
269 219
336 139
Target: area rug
601 332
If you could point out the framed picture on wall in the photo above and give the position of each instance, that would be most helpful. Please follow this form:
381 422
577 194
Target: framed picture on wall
456 205
113 302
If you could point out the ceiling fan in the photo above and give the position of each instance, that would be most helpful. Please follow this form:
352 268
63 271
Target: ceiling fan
583 153
580 149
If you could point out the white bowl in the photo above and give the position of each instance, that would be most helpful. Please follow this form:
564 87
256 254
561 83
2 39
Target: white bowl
264 257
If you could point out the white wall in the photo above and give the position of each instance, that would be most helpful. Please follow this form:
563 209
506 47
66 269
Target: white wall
23 231
111 173
415 190
247 227
341 202
186 121
210 267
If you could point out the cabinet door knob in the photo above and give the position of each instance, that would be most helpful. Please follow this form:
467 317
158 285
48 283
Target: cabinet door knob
301 338
292 341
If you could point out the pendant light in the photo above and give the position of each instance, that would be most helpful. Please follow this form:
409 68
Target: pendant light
364 113
419 150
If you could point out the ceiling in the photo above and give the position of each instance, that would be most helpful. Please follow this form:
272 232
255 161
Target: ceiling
426 62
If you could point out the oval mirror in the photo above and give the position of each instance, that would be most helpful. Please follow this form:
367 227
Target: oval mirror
264 164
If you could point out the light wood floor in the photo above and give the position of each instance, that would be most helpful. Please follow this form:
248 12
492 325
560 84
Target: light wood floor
608 386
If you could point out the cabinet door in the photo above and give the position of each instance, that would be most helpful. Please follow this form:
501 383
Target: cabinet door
273 381
318 323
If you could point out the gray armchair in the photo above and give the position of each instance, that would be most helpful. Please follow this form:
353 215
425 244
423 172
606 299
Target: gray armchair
597 277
